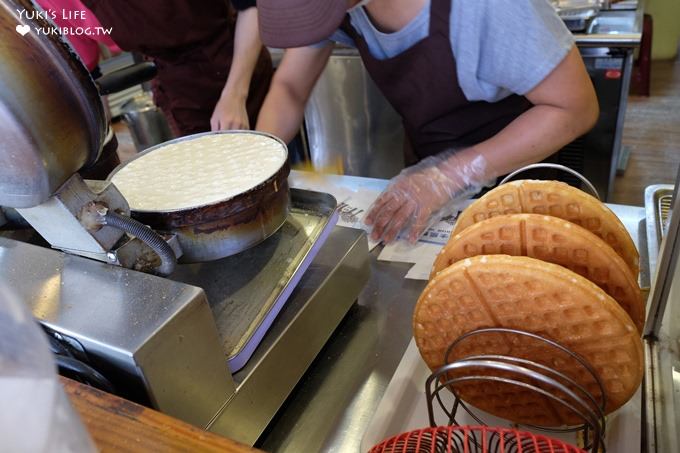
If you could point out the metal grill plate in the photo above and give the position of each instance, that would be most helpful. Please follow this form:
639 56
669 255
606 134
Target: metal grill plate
246 291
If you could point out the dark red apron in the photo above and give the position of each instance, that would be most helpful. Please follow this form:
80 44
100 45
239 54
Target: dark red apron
192 43
422 85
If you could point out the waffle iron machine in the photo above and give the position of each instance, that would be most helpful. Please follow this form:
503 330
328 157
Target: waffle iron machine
213 330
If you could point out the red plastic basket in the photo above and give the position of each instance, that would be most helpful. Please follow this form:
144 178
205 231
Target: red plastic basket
472 439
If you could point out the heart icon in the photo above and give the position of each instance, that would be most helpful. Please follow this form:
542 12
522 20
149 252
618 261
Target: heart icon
23 29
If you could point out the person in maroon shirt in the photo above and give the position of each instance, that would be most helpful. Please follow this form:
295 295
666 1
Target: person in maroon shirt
213 72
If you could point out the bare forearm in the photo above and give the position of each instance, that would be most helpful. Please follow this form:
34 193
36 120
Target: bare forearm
247 47
281 114
284 106
533 136
565 107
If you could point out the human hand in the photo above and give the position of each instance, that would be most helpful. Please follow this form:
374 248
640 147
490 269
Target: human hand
422 194
230 113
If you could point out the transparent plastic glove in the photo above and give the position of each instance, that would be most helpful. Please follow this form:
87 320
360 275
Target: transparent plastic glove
424 193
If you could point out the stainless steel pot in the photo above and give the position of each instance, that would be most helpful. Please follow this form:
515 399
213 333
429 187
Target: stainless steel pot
148 126
226 227
52 122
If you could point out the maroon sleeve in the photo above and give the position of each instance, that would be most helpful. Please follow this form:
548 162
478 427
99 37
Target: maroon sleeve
243 4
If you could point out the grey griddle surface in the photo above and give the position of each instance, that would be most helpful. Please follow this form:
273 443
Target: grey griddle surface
246 290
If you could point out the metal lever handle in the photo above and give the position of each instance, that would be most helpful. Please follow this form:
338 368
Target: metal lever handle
583 179
125 78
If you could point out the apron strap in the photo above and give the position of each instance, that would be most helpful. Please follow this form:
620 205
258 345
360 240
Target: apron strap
440 14
346 27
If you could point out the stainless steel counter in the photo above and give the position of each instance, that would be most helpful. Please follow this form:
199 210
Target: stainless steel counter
662 331
614 28
335 401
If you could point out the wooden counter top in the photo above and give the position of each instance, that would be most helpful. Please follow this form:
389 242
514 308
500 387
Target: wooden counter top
118 425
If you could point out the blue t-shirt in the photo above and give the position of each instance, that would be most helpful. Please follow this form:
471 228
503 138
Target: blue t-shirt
500 46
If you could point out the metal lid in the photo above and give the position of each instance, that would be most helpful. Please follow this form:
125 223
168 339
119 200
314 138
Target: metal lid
52 121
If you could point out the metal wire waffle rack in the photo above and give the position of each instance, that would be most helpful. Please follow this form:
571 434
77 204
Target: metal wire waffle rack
560 390
543 165
471 439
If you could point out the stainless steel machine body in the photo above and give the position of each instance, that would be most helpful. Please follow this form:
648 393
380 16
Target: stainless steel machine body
150 336
246 291
157 340
60 219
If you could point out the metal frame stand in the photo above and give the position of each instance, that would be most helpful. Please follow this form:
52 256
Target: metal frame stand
525 374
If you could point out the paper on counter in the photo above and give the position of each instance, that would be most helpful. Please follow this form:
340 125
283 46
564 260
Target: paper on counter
421 270
423 253
352 210
427 246
353 201
355 195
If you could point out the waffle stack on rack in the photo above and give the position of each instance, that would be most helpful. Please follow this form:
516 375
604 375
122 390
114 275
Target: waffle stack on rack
545 258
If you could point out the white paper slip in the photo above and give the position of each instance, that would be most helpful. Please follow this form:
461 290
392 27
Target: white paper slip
421 270
336 185
425 249
353 209
423 253
404 252
354 195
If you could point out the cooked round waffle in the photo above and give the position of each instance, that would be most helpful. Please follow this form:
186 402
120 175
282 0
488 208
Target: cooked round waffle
558 200
555 241
538 297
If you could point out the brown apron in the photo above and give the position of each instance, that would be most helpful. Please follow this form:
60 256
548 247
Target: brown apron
192 44
422 85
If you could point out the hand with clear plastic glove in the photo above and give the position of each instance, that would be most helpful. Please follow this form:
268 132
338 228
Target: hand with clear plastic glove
424 193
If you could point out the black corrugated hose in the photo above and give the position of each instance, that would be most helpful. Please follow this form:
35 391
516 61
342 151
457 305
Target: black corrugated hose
149 237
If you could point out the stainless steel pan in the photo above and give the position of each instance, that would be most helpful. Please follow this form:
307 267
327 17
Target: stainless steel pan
226 227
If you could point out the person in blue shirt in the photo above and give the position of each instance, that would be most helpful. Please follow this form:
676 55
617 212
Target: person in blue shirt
483 87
